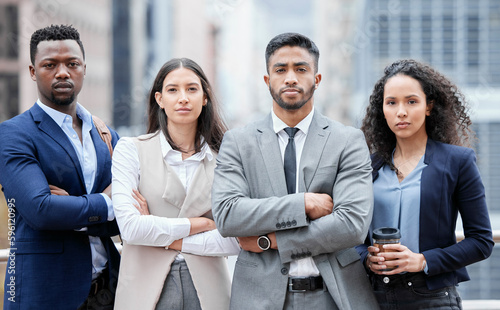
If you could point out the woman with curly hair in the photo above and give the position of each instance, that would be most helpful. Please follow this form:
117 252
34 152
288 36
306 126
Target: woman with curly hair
424 174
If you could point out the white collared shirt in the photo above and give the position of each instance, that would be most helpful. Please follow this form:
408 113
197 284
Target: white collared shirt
86 153
305 266
153 230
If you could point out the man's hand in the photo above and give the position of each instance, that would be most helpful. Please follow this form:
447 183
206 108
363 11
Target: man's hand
54 190
317 205
250 243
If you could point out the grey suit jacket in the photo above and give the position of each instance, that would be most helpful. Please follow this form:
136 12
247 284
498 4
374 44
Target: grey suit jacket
250 198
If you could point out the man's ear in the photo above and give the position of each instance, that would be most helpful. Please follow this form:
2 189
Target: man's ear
317 80
32 72
266 80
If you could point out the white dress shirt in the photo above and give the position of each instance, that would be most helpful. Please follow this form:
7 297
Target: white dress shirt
85 151
153 230
303 267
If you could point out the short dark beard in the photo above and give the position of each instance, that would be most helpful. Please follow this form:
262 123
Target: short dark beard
62 102
292 106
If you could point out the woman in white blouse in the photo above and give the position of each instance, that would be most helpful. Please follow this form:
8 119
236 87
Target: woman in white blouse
162 185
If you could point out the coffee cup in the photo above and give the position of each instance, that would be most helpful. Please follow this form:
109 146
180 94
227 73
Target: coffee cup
386 235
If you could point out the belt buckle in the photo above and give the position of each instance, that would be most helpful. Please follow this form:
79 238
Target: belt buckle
94 287
290 284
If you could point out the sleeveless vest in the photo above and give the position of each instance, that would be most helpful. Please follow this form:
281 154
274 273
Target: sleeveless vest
144 269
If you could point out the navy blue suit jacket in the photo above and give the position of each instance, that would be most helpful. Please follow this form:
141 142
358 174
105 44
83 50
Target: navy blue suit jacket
450 184
50 266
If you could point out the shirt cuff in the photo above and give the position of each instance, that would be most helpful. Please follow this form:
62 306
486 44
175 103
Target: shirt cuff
210 243
179 228
109 202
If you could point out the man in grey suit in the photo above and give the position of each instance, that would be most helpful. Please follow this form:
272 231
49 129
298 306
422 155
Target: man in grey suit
273 189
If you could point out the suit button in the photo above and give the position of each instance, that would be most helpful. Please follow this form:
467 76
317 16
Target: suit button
294 223
95 218
288 224
284 271
283 224
278 225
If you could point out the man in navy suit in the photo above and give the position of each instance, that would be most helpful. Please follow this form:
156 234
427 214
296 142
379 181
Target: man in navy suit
56 172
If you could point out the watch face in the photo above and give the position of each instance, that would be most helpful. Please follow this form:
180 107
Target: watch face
263 243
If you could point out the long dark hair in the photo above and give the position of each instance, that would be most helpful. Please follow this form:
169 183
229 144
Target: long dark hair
448 121
210 123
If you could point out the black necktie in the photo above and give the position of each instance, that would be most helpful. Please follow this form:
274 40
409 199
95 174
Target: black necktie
290 163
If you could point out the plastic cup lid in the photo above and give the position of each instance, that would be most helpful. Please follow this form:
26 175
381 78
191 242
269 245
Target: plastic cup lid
386 233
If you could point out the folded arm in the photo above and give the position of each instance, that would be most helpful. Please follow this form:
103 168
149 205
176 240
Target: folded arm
24 179
348 224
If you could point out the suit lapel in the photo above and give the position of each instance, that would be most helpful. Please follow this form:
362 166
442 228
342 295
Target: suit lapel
49 127
313 150
174 191
198 199
271 154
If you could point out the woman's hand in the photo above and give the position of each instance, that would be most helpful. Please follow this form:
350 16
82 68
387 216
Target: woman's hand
400 258
201 224
176 245
141 204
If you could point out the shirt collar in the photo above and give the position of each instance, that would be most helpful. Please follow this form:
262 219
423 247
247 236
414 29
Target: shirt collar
59 117
166 150
303 125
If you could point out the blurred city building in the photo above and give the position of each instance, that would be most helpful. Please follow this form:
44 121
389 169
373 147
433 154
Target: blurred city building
20 18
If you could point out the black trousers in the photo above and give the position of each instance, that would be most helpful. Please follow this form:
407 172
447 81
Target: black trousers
409 291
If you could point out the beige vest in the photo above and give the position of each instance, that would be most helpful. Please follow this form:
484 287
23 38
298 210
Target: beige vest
143 269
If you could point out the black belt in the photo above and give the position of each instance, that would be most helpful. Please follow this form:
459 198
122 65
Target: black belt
97 284
303 284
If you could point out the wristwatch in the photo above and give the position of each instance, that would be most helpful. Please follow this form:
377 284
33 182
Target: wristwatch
264 243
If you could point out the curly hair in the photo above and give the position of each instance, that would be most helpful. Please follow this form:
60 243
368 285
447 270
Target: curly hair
54 33
448 121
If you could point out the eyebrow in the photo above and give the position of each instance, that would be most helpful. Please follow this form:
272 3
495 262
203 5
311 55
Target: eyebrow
55 59
297 64
189 84
409 96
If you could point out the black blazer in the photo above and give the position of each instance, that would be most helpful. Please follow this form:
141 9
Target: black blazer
450 184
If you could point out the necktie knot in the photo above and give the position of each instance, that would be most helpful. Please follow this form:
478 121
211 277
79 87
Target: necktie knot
291 131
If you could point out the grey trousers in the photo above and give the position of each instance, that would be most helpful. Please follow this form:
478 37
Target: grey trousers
178 292
317 300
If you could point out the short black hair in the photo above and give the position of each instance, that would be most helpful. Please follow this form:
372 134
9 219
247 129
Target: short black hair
54 33
292 39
